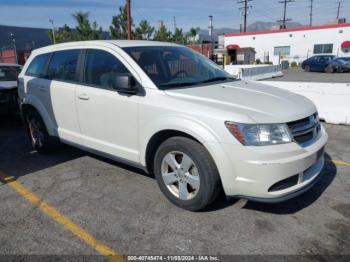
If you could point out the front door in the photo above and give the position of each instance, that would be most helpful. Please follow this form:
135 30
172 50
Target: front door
62 72
108 120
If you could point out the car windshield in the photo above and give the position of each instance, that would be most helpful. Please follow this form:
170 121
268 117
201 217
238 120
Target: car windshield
9 73
176 66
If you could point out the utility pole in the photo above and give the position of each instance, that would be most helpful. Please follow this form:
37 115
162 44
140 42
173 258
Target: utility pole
211 31
311 11
128 14
14 46
175 26
53 31
285 19
338 12
245 12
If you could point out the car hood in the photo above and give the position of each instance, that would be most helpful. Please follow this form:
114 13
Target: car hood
261 103
8 84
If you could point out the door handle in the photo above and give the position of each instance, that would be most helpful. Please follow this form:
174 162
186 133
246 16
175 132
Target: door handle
42 88
83 97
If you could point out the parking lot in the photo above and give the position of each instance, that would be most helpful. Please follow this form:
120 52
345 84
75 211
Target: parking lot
74 203
299 75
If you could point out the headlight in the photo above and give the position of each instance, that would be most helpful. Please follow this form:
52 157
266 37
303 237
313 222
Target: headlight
260 134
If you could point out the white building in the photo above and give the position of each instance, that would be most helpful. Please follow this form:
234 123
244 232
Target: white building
292 44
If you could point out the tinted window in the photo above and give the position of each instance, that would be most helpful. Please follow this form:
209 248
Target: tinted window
101 68
63 65
175 66
37 66
323 49
9 73
282 50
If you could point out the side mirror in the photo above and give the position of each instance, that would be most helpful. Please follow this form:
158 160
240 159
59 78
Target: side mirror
124 83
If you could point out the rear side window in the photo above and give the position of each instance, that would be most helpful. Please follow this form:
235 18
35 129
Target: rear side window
101 68
38 65
63 65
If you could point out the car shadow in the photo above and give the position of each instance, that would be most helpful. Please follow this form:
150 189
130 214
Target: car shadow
17 158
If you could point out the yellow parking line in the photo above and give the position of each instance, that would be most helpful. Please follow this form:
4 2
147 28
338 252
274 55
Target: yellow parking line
61 219
340 163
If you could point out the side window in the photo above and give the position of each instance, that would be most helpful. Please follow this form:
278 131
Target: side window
323 49
37 66
63 65
101 67
281 51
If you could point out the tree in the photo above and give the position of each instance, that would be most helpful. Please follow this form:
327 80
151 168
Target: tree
119 26
84 30
63 34
179 37
193 33
97 32
144 30
162 34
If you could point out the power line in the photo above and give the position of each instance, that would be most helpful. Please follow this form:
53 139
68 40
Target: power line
285 19
245 12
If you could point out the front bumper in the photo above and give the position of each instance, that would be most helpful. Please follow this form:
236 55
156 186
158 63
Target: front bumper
253 171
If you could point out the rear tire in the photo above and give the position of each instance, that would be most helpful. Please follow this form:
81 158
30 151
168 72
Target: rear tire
186 173
39 137
307 68
329 69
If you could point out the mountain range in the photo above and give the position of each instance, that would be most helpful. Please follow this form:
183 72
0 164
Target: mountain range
257 26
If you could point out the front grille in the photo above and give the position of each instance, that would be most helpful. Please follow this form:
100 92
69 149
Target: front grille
305 131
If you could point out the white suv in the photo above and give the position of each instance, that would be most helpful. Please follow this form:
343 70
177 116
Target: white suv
174 113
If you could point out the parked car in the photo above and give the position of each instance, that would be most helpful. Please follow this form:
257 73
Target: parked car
173 112
340 65
8 86
317 63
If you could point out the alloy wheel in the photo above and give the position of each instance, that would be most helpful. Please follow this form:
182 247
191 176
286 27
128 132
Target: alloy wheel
36 134
180 175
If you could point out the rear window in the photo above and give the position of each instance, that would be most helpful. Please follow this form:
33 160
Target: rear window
38 65
9 73
63 65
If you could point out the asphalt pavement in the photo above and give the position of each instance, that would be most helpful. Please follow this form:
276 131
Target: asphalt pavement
122 209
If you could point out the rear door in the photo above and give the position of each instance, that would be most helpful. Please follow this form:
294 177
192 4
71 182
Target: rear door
322 63
108 120
35 82
62 74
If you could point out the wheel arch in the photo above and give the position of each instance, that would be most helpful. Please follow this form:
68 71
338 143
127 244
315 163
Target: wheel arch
157 139
39 108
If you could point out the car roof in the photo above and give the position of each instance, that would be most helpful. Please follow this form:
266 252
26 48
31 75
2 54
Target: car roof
101 43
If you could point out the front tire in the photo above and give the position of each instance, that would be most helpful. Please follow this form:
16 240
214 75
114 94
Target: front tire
39 137
307 68
186 173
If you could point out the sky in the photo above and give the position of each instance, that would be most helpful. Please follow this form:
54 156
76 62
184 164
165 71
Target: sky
188 13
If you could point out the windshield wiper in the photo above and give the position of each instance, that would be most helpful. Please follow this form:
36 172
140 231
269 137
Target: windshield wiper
180 84
220 78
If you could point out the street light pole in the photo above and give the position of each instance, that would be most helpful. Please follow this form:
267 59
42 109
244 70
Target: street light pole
53 31
14 46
